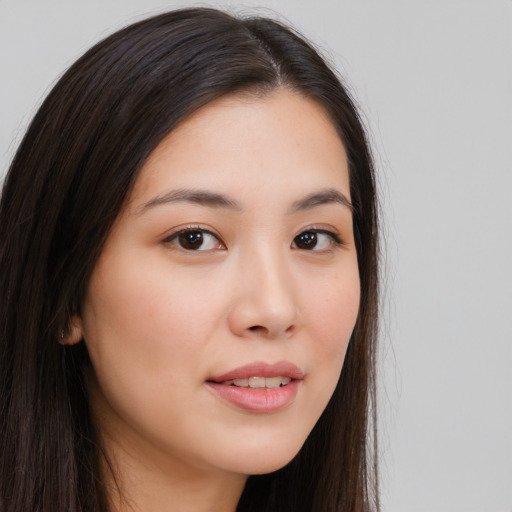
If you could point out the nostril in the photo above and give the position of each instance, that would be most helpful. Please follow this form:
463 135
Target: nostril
261 330
256 328
290 329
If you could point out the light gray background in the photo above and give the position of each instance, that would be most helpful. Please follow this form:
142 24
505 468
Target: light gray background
434 80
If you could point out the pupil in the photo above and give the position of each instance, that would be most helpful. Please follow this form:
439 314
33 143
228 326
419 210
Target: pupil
306 240
191 239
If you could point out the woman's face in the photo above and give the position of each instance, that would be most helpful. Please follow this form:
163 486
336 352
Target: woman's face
219 312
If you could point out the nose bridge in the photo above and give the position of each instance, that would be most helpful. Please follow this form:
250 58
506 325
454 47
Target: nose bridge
267 301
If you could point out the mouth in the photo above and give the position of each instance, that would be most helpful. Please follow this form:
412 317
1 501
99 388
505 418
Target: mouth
259 387
260 375
258 382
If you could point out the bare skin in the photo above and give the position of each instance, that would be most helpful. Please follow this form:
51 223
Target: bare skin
235 247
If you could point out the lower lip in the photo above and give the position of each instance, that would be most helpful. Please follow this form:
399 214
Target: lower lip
260 400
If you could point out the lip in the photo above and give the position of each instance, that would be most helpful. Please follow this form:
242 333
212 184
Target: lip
261 369
259 400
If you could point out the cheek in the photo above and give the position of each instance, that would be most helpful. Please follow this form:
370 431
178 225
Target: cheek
331 315
143 329
145 307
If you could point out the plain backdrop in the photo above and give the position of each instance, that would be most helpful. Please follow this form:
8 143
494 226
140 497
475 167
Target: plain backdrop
434 81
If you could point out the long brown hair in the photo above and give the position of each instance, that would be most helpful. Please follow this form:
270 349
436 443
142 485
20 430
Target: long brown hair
67 184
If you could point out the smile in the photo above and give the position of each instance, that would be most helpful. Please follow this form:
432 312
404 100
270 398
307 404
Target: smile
259 382
259 387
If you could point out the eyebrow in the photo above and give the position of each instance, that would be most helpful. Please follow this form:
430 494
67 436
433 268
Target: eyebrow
201 197
323 197
216 200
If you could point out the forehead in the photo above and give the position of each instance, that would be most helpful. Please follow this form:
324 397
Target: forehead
245 142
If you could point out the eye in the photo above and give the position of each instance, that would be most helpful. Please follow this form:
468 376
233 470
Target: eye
316 240
195 239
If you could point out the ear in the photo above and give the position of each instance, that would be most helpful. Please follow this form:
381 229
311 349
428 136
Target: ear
73 332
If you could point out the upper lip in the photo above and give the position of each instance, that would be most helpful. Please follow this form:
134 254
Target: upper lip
261 369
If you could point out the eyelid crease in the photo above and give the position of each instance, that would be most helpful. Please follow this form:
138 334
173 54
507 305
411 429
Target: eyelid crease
176 232
190 227
322 228
334 235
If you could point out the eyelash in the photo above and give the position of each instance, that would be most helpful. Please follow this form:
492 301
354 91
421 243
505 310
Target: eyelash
174 239
335 240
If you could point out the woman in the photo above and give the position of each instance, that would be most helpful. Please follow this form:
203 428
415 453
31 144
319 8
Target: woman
189 280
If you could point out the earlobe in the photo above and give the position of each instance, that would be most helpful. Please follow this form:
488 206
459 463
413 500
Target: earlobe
72 333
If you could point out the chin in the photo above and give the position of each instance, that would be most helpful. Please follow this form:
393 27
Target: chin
264 467
269 468
265 459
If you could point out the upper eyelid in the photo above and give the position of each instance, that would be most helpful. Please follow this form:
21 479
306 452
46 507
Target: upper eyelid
182 229
173 236
324 227
336 238
333 232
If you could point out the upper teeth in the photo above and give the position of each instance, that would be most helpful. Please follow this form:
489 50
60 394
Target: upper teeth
259 382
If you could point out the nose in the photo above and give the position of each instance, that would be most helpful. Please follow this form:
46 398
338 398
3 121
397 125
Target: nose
265 303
